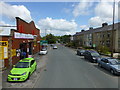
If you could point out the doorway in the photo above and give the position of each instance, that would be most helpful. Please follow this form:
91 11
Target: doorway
23 49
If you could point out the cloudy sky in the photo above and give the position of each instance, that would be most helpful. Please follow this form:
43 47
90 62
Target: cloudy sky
60 18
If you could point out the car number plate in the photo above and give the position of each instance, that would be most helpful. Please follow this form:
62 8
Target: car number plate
15 79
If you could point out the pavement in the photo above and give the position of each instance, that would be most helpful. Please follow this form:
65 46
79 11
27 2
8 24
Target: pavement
64 69
0 80
41 64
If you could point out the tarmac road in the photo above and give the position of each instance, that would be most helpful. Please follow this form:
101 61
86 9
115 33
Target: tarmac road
67 70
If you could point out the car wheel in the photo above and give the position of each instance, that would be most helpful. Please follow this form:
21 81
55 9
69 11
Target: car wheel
80 54
28 76
35 67
7 80
112 71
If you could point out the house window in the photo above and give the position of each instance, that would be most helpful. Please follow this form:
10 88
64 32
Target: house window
108 35
103 35
108 43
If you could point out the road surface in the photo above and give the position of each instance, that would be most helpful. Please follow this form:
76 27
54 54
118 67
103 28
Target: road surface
65 69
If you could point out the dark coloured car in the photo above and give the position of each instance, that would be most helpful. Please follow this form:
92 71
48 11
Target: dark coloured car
111 64
80 52
92 55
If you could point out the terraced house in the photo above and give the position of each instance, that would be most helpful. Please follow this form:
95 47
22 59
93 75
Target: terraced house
101 36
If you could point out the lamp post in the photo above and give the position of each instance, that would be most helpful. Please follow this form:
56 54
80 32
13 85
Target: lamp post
113 29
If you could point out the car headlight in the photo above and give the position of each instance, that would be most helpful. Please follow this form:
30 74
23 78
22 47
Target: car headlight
94 58
24 73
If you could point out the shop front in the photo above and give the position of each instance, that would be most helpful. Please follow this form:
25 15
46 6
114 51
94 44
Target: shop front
21 43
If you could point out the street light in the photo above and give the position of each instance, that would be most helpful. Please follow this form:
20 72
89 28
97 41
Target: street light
113 29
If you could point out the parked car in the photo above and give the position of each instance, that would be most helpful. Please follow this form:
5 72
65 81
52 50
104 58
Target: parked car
92 55
51 44
43 51
22 70
111 64
80 52
54 47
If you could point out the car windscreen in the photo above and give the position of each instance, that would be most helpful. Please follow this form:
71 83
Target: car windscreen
82 51
43 50
95 54
22 65
114 61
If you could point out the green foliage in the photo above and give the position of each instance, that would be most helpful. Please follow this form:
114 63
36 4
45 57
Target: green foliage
70 44
104 50
65 38
75 43
50 38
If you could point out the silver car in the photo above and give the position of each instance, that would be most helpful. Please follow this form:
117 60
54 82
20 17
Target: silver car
111 64
54 47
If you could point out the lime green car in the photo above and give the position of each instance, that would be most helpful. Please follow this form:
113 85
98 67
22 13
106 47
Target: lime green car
22 70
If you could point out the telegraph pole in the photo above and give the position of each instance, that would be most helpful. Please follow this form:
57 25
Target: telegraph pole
7 26
113 29
45 34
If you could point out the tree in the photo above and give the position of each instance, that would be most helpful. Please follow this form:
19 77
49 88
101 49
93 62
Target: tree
65 38
50 38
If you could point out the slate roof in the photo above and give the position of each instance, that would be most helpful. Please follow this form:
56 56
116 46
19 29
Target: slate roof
100 29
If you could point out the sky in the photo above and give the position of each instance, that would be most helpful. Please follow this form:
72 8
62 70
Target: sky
59 18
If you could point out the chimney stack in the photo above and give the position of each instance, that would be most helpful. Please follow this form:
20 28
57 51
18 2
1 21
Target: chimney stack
104 24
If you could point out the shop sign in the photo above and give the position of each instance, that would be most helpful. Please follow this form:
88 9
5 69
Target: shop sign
23 36
3 43
3 50
13 52
43 42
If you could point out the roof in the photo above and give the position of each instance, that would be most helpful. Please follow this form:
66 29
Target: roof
99 29
91 51
6 31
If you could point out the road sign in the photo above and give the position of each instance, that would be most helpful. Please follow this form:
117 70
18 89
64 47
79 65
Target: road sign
43 42
3 50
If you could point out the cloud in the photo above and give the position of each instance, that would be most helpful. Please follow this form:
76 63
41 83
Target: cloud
95 21
12 11
58 26
85 27
104 13
66 10
83 8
